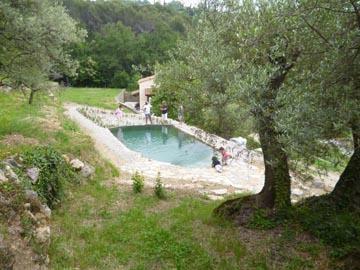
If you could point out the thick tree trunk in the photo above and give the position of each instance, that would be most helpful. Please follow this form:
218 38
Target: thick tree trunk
276 190
347 190
275 194
31 97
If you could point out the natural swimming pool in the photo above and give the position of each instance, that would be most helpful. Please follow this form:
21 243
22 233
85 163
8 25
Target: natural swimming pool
165 143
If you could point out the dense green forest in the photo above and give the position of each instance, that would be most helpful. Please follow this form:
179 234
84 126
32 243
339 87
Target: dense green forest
125 39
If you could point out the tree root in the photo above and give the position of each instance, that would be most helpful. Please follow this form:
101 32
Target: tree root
241 210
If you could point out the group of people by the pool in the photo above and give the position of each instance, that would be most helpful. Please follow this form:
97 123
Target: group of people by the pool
216 163
147 111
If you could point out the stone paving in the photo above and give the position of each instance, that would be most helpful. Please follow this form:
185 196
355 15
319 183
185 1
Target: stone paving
244 174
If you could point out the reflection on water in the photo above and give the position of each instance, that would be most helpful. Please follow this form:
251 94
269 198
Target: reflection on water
165 143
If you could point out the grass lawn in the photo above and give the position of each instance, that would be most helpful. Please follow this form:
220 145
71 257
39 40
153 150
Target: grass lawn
98 97
104 227
100 225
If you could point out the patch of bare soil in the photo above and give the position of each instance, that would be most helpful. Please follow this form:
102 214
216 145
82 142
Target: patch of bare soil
21 255
16 139
51 120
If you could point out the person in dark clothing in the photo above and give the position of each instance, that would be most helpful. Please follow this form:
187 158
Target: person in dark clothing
216 164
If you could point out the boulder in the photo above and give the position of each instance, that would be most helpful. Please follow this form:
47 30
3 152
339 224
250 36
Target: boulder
87 171
3 178
42 234
239 141
33 174
77 164
10 174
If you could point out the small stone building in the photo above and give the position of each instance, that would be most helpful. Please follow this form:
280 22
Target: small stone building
145 89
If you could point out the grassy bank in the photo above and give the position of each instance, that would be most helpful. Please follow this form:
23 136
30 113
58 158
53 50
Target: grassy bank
98 97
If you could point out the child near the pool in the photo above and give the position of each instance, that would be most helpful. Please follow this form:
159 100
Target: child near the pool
119 112
216 164
225 156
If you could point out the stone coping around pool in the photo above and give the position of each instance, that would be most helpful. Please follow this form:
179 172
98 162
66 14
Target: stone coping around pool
244 174
107 119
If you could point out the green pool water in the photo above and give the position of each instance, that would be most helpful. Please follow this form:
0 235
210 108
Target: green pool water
165 143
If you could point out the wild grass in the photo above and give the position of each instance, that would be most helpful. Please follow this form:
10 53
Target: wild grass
104 227
98 97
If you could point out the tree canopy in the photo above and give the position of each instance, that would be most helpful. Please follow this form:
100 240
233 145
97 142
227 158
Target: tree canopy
126 39
34 37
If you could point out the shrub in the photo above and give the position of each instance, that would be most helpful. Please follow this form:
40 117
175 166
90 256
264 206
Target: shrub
54 171
138 182
159 188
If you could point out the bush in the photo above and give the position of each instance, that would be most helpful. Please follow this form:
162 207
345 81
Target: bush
159 188
54 172
138 182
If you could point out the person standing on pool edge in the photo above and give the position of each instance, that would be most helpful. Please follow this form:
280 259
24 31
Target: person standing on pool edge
147 112
164 110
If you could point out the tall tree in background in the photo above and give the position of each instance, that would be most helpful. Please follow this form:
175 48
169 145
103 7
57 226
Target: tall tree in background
33 37
125 41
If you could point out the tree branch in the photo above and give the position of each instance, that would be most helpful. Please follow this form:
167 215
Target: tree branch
316 31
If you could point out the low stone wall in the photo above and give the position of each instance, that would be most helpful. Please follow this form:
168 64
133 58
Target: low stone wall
107 119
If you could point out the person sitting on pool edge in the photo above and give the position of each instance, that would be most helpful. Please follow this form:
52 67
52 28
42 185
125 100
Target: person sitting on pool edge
216 164
225 156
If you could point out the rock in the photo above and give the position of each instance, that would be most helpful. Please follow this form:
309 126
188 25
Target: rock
87 170
33 174
3 178
46 210
239 141
66 158
77 164
27 206
219 191
10 174
12 162
318 185
32 197
42 234
297 192
255 137
41 218
3 201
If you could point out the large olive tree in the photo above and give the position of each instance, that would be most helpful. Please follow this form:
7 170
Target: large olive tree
34 36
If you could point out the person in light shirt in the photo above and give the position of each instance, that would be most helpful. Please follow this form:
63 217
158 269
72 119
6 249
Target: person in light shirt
147 112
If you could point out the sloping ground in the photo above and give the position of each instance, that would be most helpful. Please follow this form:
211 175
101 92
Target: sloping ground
103 225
